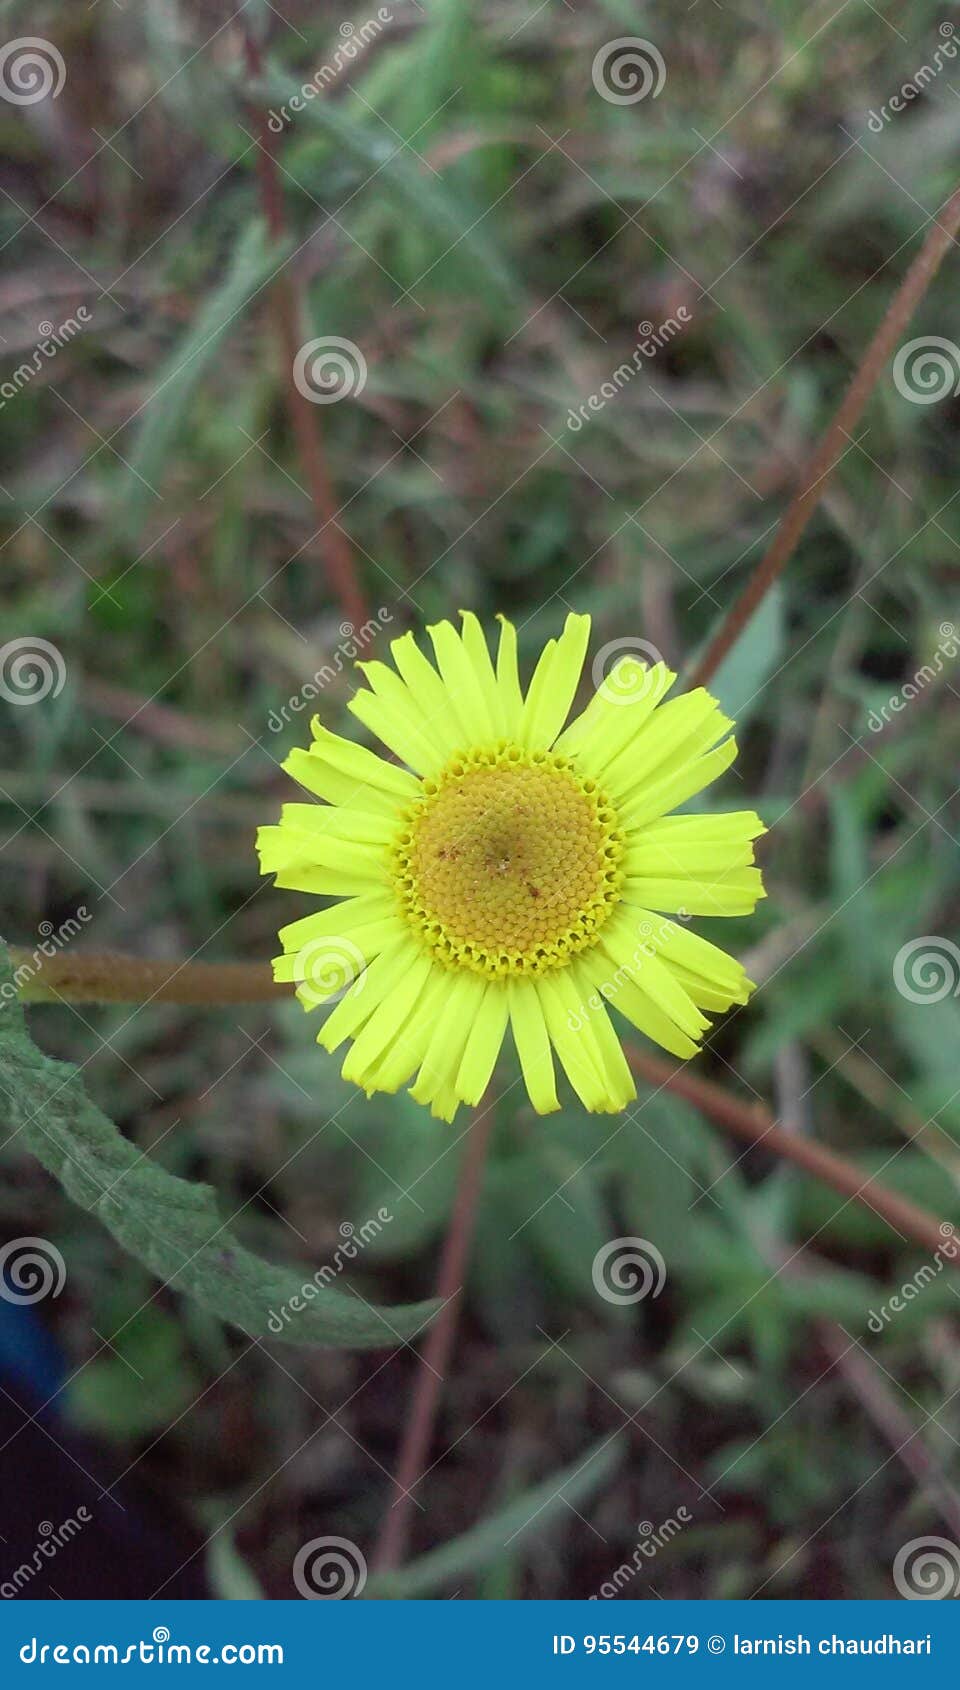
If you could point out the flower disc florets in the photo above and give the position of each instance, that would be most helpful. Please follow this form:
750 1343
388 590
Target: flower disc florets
510 862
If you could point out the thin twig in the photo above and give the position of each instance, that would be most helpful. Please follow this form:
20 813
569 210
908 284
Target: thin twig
303 415
437 1349
905 301
754 1123
868 1383
895 1425
870 1082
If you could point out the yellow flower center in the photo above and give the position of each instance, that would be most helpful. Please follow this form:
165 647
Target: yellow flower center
509 862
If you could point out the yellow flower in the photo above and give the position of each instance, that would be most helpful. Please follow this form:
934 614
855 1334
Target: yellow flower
514 872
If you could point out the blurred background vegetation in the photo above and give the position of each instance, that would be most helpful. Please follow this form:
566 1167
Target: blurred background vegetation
465 207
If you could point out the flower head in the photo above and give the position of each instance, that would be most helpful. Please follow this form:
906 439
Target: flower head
514 872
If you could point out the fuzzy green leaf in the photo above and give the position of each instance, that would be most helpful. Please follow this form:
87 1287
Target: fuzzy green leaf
172 1225
255 260
752 660
445 213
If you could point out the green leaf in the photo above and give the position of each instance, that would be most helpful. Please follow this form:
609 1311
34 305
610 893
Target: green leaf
410 1168
506 1283
524 1519
662 1153
394 172
255 259
141 1381
230 1578
171 1224
551 1201
855 914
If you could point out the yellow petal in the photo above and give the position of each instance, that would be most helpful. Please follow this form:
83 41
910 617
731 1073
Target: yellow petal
477 650
533 1044
677 786
508 679
431 695
484 1043
462 683
573 1046
617 714
390 1013
390 712
554 685
436 1081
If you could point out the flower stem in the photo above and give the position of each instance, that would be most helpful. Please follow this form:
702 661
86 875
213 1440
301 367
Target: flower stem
103 978
304 421
836 439
435 1356
755 1124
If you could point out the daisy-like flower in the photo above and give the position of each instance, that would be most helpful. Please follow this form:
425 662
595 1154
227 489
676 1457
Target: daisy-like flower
514 872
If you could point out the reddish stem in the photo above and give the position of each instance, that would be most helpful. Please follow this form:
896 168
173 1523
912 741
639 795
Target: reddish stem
755 1124
813 486
435 1356
304 421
